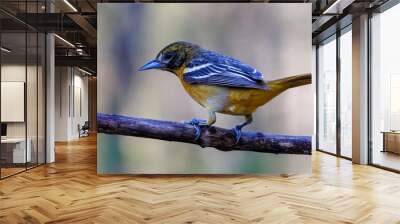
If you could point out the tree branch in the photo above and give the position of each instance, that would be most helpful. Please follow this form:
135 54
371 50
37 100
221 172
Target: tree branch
218 138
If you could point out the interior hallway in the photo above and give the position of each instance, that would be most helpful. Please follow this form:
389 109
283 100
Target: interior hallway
70 191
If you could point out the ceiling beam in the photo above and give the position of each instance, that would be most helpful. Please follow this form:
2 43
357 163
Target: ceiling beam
85 25
49 22
81 61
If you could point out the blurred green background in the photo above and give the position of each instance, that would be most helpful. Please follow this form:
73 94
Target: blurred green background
258 34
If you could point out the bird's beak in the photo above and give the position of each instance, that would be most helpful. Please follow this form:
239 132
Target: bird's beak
153 64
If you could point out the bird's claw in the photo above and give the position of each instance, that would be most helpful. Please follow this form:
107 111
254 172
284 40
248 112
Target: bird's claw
196 123
237 133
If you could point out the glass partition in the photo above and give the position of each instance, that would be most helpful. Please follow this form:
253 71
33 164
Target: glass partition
327 95
346 93
13 105
22 88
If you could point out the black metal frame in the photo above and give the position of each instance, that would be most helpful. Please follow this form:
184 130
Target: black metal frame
44 80
369 91
338 98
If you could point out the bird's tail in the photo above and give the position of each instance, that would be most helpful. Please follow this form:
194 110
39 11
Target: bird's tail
292 81
276 87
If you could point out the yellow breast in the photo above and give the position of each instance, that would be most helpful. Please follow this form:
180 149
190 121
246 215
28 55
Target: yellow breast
234 101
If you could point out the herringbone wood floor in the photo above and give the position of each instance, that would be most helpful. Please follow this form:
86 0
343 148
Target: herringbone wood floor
69 191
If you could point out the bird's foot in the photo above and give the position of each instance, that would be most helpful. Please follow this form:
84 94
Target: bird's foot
197 123
237 130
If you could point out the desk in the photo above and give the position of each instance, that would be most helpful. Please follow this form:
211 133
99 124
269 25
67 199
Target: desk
15 148
391 141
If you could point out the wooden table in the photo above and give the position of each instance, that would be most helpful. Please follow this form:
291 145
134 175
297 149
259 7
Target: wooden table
391 141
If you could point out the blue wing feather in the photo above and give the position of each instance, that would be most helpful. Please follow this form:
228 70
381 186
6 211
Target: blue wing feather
224 79
211 68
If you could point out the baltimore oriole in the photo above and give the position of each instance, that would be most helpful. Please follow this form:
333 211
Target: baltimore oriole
220 83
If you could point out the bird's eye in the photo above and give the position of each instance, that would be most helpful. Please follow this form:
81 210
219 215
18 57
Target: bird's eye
168 56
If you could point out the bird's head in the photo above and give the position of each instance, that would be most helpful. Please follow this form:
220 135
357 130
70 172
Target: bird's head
173 57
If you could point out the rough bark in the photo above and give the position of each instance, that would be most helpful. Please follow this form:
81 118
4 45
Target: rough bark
211 136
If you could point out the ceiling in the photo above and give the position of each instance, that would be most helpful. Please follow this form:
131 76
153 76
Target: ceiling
76 22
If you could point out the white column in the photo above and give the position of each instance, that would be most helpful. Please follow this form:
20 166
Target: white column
63 100
360 90
50 92
50 100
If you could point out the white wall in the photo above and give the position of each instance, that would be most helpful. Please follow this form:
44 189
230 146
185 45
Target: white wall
16 73
71 93
79 117
33 127
61 103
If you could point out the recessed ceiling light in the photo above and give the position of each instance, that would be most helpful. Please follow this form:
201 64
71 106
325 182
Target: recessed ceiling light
70 5
5 50
84 71
337 7
64 40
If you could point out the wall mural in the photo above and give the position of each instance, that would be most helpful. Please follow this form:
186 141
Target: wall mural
228 60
